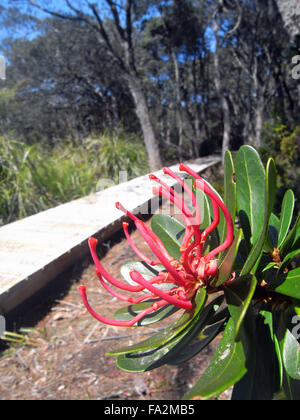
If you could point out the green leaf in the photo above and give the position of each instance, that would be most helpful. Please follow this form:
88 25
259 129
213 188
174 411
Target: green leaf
225 268
263 377
296 242
287 209
170 332
270 361
273 231
291 355
291 238
287 284
227 366
269 266
250 188
291 388
275 222
147 271
229 190
204 205
137 362
238 297
212 241
296 304
140 362
170 231
221 228
229 197
270 194
206 338
127 313
288 258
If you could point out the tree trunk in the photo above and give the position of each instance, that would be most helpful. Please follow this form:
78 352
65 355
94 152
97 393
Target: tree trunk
142 113
178 103
290 13
258 124
224 106
227 126
221 94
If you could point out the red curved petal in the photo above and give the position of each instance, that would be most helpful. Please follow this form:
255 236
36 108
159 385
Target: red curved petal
136 276
114 322
92 244
135 249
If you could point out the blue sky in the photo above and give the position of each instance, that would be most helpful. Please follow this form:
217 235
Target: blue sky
55 5
24 7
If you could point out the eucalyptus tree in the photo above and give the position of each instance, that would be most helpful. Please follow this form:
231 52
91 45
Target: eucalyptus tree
252 35
174 38
255 51
115 28
65 86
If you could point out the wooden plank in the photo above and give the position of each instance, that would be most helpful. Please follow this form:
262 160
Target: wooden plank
34 250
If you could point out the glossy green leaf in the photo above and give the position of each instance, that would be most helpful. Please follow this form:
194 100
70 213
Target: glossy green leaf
269 266
287 209
204 206
250 189
296 304
168 333
196 347
287 284
291 239
288 348
275 222
191 332
227 366
170 231
288 258
148 360
270 194
238 297
229 190
263 377
229 185
151 359
127 313
291 388
146 270
273 232
225 268
291 355
296 241
221 228
271 361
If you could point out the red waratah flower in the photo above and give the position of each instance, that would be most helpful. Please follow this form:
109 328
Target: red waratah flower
192 271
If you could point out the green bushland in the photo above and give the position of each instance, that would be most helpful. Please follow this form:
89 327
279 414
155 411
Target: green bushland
36 177
283 144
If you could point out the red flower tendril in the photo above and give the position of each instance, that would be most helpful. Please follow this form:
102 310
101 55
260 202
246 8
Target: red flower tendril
186 276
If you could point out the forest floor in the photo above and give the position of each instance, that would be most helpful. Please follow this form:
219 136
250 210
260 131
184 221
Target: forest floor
63 354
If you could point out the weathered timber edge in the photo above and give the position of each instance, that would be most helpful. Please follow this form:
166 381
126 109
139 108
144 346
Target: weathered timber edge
35 250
